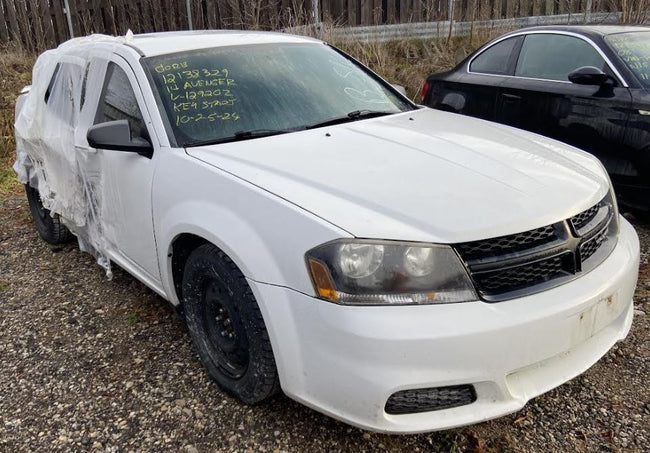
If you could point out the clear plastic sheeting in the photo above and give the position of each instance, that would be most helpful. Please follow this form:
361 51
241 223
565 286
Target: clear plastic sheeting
52 153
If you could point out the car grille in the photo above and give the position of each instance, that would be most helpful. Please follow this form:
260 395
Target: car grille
512 243
520 276
430 399
525 263
590 247
585 217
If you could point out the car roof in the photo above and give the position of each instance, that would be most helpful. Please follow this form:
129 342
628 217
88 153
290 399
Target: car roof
587 30
152 44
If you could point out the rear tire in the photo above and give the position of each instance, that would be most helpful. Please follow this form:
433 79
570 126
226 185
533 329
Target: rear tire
49 227
227 327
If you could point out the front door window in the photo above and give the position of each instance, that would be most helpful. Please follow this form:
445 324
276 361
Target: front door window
554 57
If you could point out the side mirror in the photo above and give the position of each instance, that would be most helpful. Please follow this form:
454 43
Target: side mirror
116 135
588 75
400 89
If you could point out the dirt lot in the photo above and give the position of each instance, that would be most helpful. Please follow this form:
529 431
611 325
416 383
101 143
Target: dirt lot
88 364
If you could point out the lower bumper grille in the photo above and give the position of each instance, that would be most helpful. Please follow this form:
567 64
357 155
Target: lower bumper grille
525 263
430 399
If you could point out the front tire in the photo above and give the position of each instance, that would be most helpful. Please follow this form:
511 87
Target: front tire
48 226
226 326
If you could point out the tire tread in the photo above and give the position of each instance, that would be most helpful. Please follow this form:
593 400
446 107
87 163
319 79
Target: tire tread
264 381
50 229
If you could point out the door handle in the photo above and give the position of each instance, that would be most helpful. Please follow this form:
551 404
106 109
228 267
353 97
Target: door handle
511 97
85 149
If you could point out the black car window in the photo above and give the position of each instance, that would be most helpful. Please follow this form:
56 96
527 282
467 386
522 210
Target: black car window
118 101
84 83
554 57
497 59
50 86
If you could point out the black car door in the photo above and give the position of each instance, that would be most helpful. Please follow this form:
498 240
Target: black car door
540 97
632 175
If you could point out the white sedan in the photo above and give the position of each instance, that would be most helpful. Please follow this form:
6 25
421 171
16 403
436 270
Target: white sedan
395 267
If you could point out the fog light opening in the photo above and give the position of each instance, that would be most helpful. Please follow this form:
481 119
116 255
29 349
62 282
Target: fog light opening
430 399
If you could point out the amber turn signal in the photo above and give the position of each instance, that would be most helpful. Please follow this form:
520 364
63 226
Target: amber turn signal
322 280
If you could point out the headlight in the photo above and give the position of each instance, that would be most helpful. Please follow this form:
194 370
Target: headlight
360 260
363 272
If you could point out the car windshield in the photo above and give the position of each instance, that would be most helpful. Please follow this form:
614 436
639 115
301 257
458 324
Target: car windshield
233 93
634 50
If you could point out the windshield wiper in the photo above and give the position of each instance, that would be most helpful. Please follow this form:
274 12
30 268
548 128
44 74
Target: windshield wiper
243 135
352 116
258 133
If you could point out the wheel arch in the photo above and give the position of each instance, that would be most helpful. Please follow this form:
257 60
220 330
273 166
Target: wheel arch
180 250
184 242
265 242
233 236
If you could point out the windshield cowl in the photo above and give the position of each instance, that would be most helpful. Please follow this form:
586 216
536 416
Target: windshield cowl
243 135
351 116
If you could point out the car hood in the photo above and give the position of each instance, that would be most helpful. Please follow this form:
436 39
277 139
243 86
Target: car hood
423 175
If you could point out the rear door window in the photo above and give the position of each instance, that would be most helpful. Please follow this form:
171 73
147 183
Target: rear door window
498 59
61 95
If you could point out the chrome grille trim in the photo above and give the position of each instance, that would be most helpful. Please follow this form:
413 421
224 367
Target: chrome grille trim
525 263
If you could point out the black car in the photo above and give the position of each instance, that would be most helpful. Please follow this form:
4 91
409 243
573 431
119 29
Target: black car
585 85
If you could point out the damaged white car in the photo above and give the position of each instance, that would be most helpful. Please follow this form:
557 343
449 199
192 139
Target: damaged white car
395 267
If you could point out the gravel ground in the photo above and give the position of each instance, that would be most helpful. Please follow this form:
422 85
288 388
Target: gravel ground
88 364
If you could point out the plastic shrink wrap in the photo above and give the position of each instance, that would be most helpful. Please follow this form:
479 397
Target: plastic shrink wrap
52 153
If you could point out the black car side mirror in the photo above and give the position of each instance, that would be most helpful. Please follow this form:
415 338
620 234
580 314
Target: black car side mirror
588 75
116 135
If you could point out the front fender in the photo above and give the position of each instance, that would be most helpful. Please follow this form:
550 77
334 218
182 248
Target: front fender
230 233
264 235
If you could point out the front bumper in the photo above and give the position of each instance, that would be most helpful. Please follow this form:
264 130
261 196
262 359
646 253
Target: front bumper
346 361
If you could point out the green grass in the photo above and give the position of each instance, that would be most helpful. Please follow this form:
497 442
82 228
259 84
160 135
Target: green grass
4 286
15 72
132 318
450 441
8 182
9 185
7 176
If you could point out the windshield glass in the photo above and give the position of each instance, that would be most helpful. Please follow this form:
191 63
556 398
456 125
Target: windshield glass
227 93
634 50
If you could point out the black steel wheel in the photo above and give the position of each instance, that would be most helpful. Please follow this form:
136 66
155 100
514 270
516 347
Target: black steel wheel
227 327
49 227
